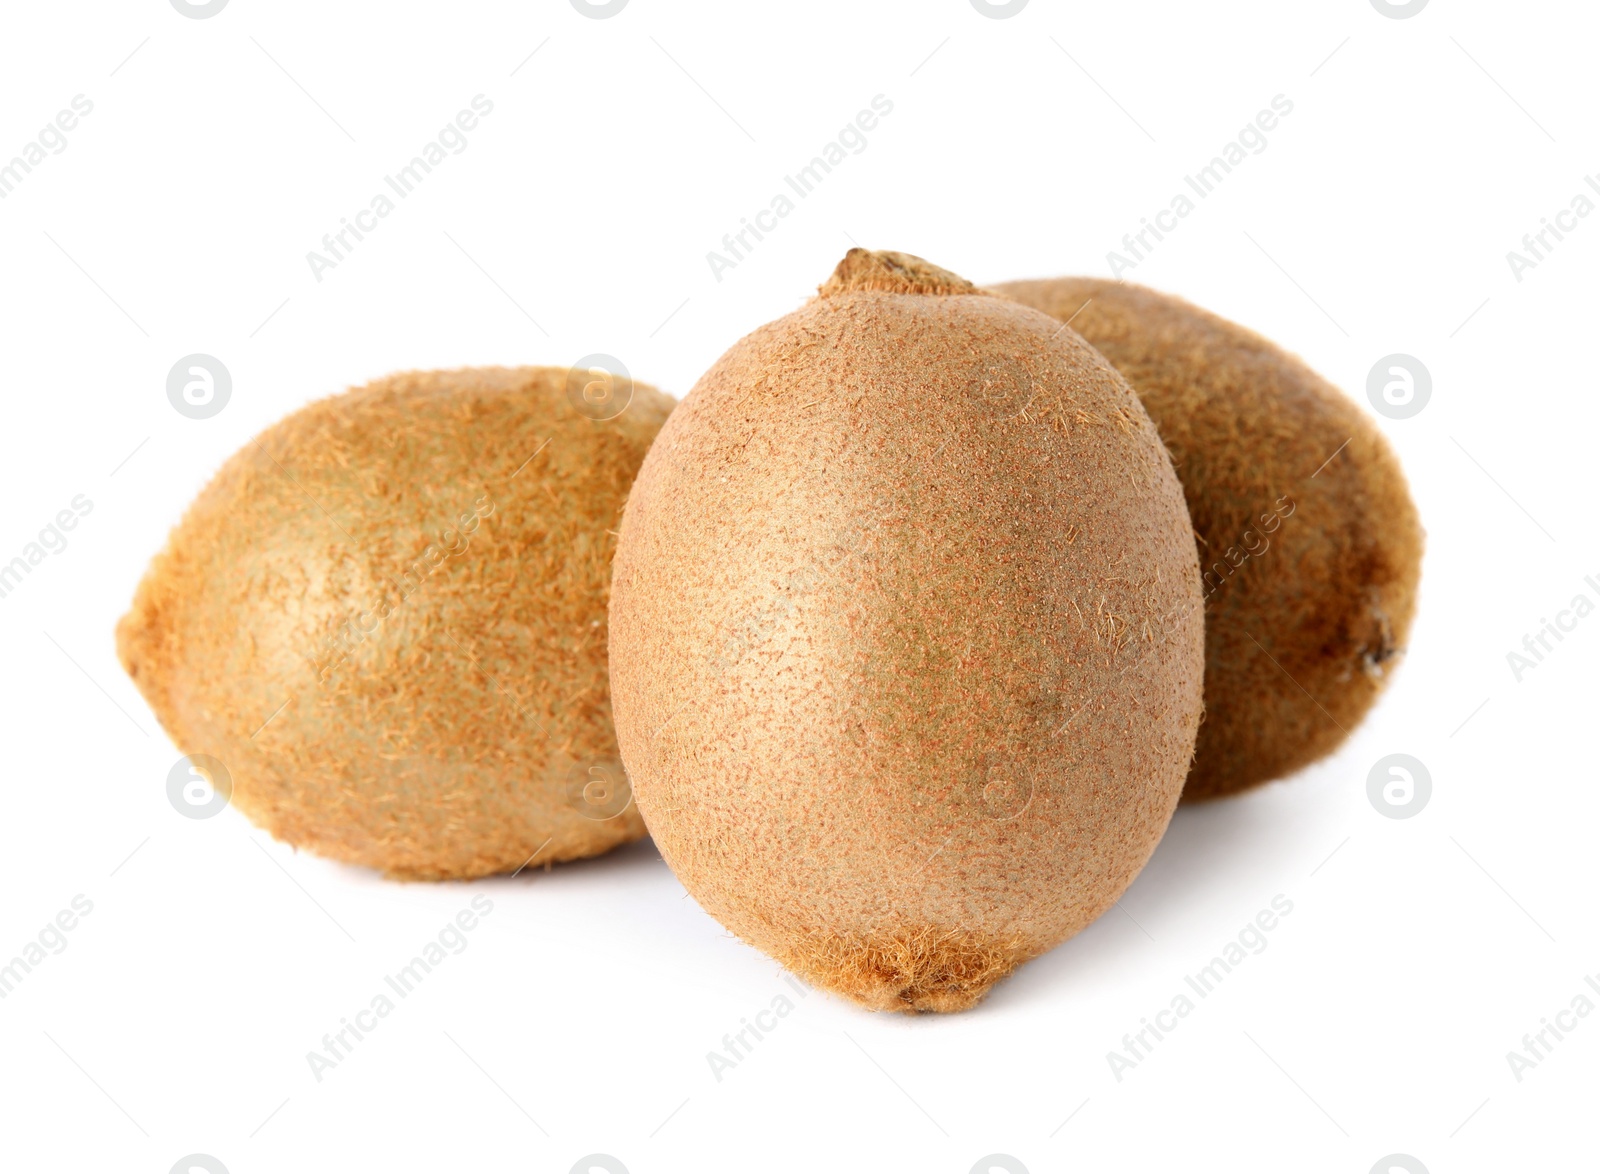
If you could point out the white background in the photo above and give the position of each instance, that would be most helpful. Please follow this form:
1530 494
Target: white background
1378 219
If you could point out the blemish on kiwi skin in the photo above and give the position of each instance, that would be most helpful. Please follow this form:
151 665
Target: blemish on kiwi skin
1375 659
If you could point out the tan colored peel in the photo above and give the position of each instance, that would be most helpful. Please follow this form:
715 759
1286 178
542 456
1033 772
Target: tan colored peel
864 271
386 617
905 637
1302 633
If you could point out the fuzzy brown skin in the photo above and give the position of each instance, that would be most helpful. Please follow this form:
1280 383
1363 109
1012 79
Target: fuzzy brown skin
446 731
906 637
1303 633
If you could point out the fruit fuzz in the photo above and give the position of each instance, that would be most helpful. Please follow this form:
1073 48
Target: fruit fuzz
906 638
386 617
1308 538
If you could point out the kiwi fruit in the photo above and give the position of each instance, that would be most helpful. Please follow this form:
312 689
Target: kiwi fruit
385 617
906 642
1309 542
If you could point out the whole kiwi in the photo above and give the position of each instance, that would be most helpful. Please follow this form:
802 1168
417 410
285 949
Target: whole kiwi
385 618
1309 542
906 636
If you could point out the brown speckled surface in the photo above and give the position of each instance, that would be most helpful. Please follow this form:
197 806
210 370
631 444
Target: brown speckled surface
905 636
1328 592
438 734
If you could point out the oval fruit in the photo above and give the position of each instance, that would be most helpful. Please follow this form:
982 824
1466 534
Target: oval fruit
386 618
905 637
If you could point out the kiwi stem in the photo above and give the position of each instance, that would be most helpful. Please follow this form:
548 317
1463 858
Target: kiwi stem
883 271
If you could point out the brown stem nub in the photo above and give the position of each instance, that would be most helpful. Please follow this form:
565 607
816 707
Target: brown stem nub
864 270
